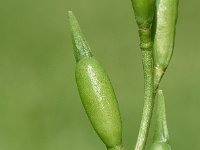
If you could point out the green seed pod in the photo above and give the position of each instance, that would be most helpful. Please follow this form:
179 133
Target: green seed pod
164 35
144 12
96 92
99 100
161 136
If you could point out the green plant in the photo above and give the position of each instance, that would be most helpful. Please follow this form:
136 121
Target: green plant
157 23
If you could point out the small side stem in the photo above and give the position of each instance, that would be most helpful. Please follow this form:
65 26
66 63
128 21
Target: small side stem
147 60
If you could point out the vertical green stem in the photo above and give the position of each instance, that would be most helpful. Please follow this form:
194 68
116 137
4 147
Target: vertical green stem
147 59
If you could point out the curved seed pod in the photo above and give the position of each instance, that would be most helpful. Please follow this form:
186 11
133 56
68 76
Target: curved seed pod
144 12
96 92
161 136
165 27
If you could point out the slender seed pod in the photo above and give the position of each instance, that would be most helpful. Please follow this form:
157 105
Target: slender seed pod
144 12
96 92
161 136
164 35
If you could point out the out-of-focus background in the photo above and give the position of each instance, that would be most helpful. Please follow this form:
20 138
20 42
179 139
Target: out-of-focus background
40 108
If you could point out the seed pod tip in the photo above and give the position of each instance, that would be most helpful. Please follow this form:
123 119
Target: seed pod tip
81 47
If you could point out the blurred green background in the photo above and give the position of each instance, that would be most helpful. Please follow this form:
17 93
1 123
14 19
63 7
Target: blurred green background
40 108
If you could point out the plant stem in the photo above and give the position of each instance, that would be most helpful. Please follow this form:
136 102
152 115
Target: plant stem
147 60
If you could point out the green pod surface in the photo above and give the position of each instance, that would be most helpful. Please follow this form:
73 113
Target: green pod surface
160 146
144 12
161 135
164 34
99 101
96 92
